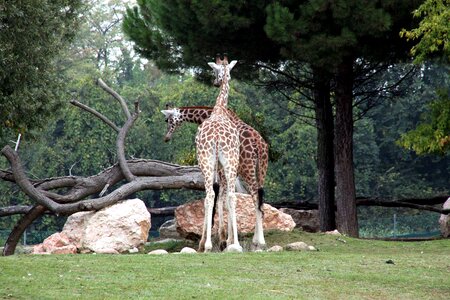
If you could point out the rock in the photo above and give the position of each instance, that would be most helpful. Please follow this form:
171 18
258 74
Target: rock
312 248
122 227
107 251
444 220
297 246
57 243
75 227
164 241
133 250
275 248
334 232
307 220
169 230
189 217
188 250
158 252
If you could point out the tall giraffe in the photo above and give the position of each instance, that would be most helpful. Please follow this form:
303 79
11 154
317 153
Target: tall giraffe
217 144
253 159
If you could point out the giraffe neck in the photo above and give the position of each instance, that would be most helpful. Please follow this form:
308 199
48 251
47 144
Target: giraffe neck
195 114
222 99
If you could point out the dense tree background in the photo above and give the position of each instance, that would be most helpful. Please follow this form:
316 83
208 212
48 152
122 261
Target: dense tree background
71 142
32 35
325 50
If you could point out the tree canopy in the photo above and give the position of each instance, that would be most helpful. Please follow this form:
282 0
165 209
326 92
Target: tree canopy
32 34
433 31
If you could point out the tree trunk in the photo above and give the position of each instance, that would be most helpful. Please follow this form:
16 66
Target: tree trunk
17 232
347 219
325 150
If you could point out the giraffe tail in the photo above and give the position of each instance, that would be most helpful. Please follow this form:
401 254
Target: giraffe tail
216 188
260 176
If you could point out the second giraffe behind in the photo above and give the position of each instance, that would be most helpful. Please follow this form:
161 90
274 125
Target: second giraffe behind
253 159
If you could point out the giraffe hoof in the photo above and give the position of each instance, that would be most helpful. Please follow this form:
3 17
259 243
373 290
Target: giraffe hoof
258 247
234 248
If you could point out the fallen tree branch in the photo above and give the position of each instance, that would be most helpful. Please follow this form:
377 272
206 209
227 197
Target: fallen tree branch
120 144
162 211
190 181
95 113
116 96
17 232
414 203
14 210
376 202
82 187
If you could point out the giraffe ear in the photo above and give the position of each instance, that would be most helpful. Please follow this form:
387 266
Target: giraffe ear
167 113
213 66
232 64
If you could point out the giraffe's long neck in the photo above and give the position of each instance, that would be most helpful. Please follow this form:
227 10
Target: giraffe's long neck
222 99
195 114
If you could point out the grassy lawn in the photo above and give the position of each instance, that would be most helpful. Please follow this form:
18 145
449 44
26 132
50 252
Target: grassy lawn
341 269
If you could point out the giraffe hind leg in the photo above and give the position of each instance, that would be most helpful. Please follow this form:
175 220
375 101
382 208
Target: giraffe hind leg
259 242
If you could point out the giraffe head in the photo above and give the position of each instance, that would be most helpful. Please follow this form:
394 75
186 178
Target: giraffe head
222 69
174 120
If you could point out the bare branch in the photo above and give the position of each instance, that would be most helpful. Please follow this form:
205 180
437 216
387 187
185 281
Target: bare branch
190 180
14 210
95 113
24 222
116 96
121 145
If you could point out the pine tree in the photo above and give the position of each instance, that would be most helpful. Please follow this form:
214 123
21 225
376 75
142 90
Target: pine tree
329 37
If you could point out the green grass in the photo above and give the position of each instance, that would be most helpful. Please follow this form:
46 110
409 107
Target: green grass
354 269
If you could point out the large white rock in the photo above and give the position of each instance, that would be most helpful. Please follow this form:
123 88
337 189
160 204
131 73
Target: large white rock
444 220
189 217
75 227
122 227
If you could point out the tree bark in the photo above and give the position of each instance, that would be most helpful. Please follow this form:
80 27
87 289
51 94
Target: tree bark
347 220
17 232
189 180
325 150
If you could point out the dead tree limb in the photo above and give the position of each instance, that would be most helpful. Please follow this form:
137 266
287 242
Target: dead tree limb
414 203
95 113
17 232
116 96
120 144
14 210
190 181
400 203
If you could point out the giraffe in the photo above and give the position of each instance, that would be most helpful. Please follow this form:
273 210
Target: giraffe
253 159
217 143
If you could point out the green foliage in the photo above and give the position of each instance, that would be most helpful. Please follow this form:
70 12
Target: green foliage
433 31
432 135
322 32
32 35
383 169
180 34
